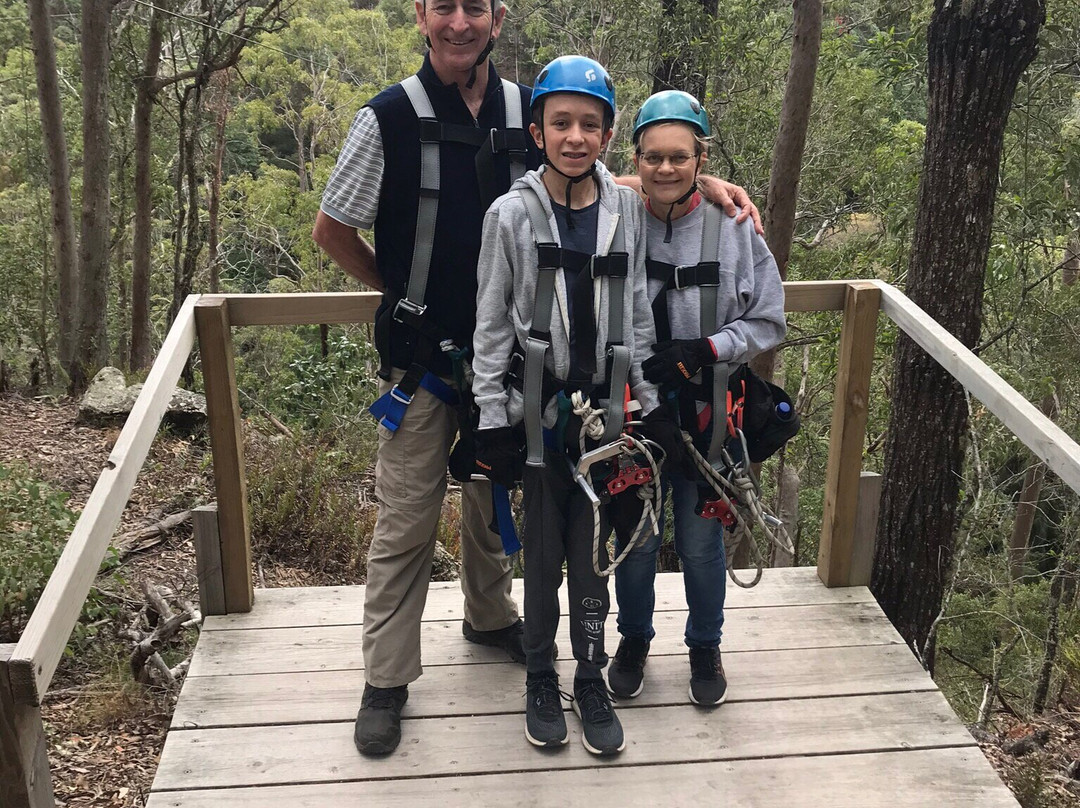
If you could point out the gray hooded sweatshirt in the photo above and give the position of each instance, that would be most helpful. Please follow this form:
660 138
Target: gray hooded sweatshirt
507 275
750 300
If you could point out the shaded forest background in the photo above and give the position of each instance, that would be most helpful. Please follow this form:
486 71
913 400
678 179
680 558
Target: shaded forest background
222 122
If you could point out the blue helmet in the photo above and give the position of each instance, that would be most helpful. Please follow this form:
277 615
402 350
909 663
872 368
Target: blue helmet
672 106
575 74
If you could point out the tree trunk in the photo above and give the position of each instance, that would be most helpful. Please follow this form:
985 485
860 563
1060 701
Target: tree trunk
977 51
92 349
1065 571
1020 540
779 215
221 117
65 247
679 68
146 90
1070 269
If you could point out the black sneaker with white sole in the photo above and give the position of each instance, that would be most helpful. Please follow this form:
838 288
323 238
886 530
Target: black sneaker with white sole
545 724
601 731
626 676
708 685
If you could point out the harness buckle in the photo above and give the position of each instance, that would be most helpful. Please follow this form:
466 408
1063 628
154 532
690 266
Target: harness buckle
412 310
401 397
679 284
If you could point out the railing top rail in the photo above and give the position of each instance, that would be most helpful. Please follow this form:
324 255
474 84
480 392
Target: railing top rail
38 651
1047 440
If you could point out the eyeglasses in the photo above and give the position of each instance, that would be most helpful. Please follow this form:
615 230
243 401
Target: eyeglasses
677 160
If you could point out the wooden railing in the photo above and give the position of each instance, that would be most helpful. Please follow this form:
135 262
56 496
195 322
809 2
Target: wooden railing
223 542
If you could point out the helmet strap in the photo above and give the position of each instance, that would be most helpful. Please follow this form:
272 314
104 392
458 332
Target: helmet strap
480 60
571 182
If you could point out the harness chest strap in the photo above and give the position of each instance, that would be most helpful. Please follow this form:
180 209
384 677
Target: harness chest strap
411 310
549 258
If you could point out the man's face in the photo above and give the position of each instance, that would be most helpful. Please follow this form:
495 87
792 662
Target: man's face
458 30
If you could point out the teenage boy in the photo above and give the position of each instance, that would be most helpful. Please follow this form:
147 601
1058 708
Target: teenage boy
560 252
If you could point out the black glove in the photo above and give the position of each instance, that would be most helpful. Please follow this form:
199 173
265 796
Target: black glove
661 428
499 456
675 361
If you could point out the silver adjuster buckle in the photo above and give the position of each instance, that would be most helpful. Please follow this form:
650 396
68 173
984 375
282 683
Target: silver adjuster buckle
678 278
415 309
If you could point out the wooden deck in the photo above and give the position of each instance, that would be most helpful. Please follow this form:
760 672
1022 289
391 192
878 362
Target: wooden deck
827 707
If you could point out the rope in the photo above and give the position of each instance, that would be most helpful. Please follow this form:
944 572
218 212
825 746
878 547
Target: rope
592 427
739 491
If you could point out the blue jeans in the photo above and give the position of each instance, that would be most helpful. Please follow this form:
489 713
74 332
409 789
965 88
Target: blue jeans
699 544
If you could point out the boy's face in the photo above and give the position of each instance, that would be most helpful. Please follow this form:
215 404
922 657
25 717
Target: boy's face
458 29
573 133
667 161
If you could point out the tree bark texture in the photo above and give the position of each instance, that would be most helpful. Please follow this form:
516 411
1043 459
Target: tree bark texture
93 346
779 215
65 246
220 109
678 69
977 52
146 90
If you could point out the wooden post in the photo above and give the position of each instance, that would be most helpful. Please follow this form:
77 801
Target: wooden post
866 514
226 441
25 781
855 360
208 560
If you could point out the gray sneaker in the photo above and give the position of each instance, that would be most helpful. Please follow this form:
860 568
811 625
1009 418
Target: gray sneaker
601 731
708 684
545 724
378 724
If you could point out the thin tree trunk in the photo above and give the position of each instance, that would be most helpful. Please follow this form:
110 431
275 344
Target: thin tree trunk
65 246
977 51
119 260
146 90
221 109
92 349
1064 571
1071 268
779 215
1020 540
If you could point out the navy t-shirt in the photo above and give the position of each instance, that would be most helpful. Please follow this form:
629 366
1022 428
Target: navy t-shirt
582 240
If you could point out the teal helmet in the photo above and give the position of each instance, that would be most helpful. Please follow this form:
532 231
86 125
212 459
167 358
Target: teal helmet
672 106
575 74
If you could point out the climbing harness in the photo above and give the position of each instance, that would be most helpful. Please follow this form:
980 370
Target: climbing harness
411 311
732 495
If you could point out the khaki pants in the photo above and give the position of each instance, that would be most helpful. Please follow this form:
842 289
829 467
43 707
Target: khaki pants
410 482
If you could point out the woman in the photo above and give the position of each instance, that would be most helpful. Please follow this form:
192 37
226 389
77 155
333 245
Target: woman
717 302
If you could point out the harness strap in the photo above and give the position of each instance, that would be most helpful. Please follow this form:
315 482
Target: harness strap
389 408
539 340
618 353
710 252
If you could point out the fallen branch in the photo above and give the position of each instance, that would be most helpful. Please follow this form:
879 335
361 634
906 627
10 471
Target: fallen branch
151 536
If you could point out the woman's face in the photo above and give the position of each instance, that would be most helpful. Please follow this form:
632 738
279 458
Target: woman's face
667 161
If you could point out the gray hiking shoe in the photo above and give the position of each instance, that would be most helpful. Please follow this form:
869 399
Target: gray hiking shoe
378 724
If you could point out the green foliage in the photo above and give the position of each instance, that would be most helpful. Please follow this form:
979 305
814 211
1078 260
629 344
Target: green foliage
34 526
304 504
334 390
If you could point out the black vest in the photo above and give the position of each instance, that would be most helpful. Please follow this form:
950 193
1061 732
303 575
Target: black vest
451 290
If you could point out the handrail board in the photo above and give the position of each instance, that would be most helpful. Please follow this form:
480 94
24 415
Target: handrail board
42 644
1042 436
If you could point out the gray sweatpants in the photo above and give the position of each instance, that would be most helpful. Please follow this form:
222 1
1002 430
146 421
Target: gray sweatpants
410 481
559 527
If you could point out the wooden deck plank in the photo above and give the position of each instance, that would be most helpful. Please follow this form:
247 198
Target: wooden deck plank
248 756
943 778
344 605
287 698
280 650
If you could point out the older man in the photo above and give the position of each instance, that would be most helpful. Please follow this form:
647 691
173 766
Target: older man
420 166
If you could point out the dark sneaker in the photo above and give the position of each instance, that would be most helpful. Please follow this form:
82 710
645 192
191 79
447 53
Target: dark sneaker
508 639
601 732
708 685
378 724
545 724
626 676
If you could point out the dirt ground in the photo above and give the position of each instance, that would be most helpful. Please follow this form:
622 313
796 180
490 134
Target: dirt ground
106 733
